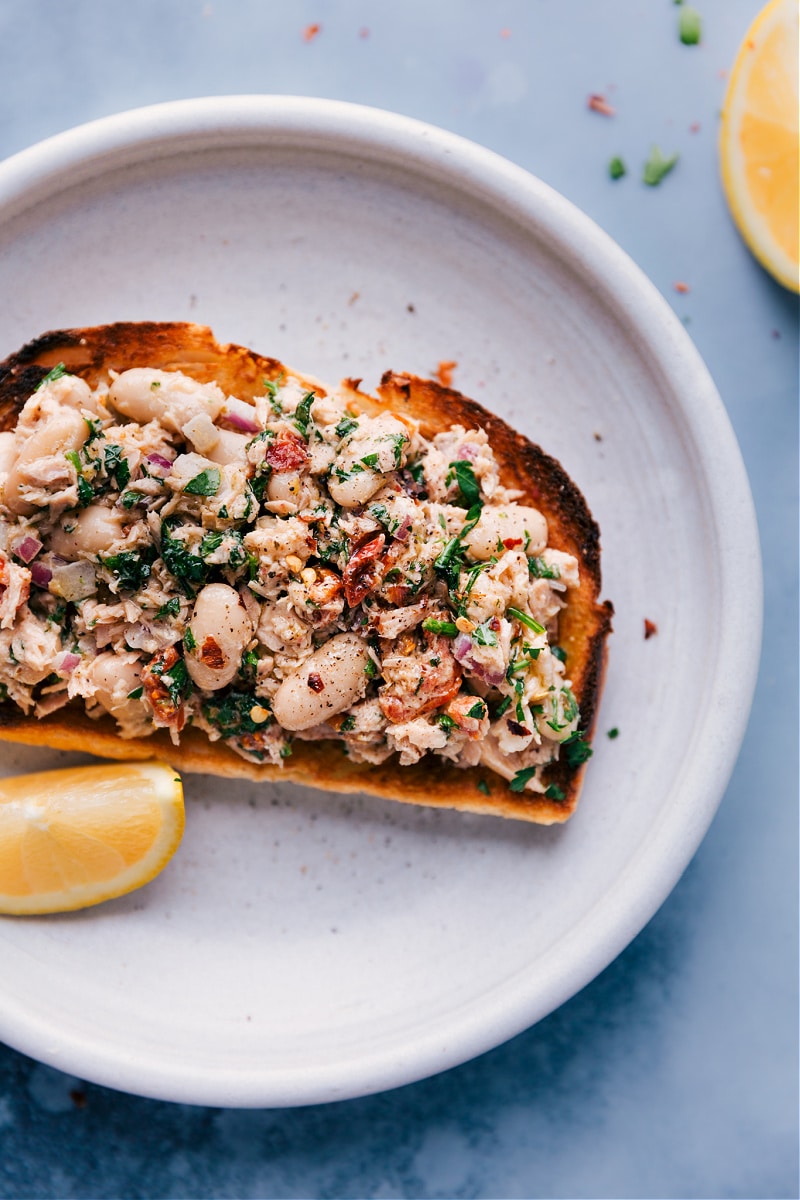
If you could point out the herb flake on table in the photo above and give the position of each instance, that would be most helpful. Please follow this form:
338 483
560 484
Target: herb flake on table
657 167
617 168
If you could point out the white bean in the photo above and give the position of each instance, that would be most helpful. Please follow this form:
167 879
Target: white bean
115 676
64 430
230 447
514 523
93 531
145 394
383 440
340 668
8 451
72 392
284 486
221 629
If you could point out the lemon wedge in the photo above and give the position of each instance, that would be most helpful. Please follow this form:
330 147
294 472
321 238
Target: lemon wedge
76 837
759 140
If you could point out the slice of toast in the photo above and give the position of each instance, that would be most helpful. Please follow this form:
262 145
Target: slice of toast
584 624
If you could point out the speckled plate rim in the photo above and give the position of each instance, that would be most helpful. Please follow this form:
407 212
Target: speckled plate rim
92 150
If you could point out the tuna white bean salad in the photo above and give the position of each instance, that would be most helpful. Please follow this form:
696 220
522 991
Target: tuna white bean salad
279 569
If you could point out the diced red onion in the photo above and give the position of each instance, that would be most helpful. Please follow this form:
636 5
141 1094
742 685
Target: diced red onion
27 548
462 653
240 415
403 529
41 574
66 661
158 460
73 581
468 451
462 650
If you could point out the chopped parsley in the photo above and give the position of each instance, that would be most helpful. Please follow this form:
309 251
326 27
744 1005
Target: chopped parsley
517 784
58 372
249 664
468 485
230 714
446 721
116 465
205 484
484 635
449 561
554 792
135 694
540 570
617 168
171 609
399 441
85 489
448 628
128 499
189 569
371 461
189 640
576 750
478 710
657 167
271 388
559 652
690 25
302 414
526 619
95 428
346 426
348 724
130 568
483 786
613 733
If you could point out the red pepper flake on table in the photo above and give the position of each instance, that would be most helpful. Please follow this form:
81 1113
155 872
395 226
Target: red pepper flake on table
599 104
649 629
444 373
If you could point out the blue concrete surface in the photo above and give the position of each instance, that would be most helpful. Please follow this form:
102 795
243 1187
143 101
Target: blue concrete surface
674 1074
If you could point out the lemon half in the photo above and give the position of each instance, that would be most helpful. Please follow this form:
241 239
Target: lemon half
75 837
759 140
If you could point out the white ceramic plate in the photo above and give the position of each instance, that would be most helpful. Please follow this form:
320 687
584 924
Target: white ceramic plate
304 947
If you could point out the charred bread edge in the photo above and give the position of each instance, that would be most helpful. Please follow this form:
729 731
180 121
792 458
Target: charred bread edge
92 352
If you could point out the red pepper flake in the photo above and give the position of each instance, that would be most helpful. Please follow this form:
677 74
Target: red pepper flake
510 543
355 296
505 34
211 654
315 682
599 104
680 287
311 31
694 127
363 32
444 373
649 629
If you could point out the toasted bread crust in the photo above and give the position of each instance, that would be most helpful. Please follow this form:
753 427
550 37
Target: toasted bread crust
584 625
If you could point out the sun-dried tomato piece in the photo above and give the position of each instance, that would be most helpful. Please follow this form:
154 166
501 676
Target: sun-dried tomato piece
364 569
288 452
166 709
